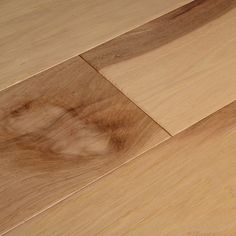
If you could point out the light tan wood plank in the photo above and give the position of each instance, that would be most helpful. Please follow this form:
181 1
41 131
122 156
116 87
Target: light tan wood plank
183 187
61 130
35 35
178 68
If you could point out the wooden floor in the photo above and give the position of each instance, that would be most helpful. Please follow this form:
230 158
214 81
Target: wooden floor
118 117
36 35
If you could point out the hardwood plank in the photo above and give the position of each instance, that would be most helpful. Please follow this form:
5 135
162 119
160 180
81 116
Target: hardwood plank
35 35
178 68
61 130
183 187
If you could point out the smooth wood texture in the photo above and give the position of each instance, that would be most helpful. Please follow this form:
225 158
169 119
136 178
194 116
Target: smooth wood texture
35 35
178 68
61 130
183 187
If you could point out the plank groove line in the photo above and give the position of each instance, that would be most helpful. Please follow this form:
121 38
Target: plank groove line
176 67
183 189
161 126
60 131
36 35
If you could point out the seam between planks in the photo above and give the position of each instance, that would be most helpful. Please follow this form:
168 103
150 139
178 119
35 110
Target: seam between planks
160 14
81 189
100 177
106 174
157 122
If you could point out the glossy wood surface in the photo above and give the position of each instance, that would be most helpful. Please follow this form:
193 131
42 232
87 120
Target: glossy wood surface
183 187
60 131
179 68
36 35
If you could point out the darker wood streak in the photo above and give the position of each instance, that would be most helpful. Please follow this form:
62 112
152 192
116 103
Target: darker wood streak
158 32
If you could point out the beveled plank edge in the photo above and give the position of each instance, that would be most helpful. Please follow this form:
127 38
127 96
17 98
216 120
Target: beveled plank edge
167 136
159 14
132 101
81 189
173 25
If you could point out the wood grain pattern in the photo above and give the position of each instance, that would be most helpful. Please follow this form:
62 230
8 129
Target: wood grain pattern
61 130
36 35
178 68
183 187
